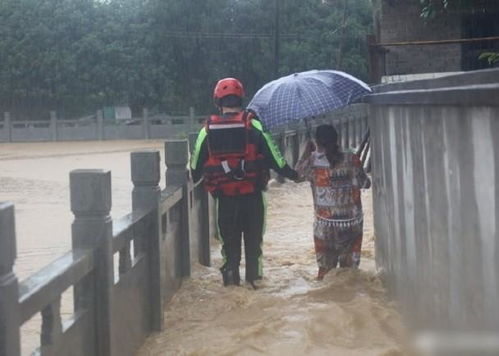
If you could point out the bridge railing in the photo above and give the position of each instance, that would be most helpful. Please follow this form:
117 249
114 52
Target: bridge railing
95 127
350 122
436 199
122 272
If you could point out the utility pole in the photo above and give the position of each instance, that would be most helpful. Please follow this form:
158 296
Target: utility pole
276 39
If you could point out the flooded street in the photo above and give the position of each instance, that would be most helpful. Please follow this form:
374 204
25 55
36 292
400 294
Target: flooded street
292 314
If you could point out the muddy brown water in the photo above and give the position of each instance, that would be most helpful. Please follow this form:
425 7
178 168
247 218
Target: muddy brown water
346 314
292 314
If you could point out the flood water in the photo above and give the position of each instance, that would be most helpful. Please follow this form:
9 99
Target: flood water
346 314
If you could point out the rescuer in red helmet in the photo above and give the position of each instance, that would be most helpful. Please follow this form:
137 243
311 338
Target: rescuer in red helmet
234 154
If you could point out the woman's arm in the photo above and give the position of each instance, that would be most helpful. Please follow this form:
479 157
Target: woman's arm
363 180
304 165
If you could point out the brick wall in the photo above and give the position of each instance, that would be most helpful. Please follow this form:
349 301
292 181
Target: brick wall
399 21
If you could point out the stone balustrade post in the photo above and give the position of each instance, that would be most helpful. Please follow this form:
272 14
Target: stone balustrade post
176 159
100 125
145 124
92 228
296 148
346 131
145 166
191 124
204 255
339 128
353 133
53 125
146 194
9 290
177 174
362 129
353 122
7 125
361 132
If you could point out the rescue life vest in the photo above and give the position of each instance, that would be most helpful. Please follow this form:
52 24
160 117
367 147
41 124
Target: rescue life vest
233 167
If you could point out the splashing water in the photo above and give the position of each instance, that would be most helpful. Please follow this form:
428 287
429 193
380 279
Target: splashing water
346 314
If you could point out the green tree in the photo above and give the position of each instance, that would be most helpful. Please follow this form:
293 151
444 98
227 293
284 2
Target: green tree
75 56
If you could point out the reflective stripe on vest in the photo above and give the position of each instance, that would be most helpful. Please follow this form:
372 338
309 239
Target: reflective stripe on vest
225 126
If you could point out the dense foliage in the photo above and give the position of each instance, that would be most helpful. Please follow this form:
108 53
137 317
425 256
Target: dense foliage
75 56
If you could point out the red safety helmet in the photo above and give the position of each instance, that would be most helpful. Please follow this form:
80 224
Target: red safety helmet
228 86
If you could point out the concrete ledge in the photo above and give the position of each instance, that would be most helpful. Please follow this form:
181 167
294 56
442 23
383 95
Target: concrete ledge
478 77
471 95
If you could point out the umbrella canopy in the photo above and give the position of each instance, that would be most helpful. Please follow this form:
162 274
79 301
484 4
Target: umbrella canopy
306 94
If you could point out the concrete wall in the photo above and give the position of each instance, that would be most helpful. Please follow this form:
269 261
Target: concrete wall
399 21
436 199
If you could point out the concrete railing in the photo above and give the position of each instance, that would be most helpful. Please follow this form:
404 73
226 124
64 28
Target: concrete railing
150 127
350 122
97 128
122 271
435 151
115 306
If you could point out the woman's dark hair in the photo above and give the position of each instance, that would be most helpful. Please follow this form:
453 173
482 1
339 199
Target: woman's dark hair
327 137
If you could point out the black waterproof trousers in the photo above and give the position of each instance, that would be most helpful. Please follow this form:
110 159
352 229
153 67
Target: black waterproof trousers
241 216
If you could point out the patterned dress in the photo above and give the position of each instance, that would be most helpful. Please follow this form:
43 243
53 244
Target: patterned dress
338 208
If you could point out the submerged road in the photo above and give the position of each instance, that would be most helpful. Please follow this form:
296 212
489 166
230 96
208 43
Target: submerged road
346 314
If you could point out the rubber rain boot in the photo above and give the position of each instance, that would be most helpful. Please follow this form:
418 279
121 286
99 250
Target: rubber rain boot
230 276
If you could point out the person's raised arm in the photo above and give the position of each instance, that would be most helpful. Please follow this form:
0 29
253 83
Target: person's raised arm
363 180
272 153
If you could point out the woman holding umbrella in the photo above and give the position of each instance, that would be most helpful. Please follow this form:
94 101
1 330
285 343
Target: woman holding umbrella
336 178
